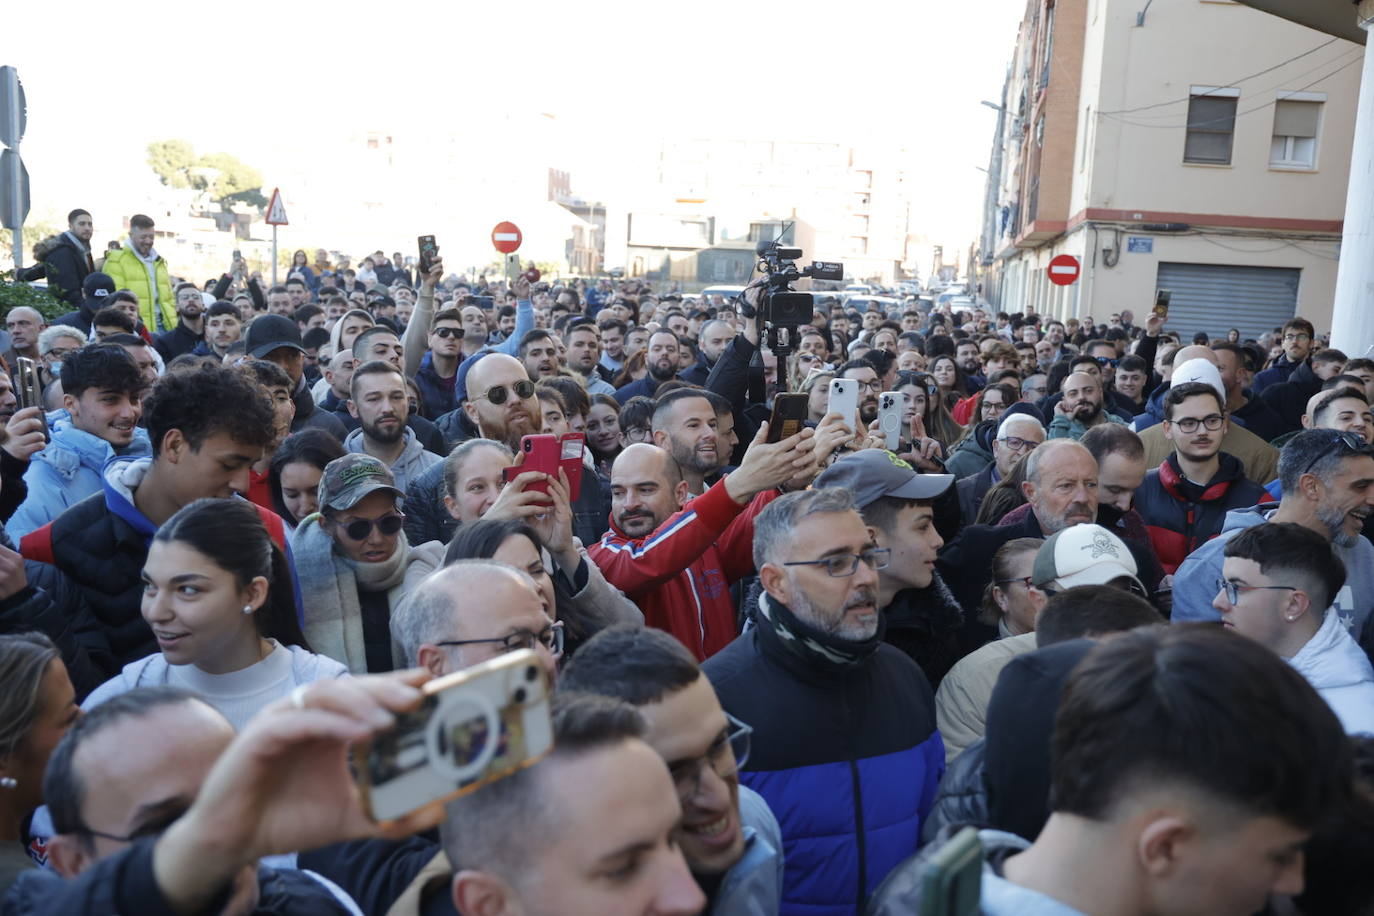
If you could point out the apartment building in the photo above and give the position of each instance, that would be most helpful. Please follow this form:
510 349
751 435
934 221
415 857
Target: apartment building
1195 145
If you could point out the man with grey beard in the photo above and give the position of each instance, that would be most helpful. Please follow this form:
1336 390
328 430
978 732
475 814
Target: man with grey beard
831 704
1328 486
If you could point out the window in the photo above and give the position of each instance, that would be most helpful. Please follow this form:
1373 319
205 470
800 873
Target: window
1211 128
1294 144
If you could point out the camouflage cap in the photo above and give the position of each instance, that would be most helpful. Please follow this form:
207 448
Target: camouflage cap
348 479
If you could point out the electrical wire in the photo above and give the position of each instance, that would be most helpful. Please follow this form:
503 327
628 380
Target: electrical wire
1230 85
1238 114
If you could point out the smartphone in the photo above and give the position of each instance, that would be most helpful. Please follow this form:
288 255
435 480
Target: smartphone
486 303
1162 297
844 400
28 385
788 417
891 418
472 728
512 267
954 875
541 452
429 249
238 255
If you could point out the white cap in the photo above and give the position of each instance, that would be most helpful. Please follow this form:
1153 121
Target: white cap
1198 370
1084 554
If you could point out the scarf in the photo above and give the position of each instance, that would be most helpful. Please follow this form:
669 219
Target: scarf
330 584
812 645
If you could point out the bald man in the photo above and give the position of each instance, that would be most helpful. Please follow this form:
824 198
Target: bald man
1081 408
678 563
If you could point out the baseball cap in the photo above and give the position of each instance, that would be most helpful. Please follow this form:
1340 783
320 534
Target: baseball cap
348 479
1083 555
1198 370
98 285
272 332
873 473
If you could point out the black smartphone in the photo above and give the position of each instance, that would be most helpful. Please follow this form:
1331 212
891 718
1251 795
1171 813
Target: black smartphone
429 249
1162 297
485 303
788 417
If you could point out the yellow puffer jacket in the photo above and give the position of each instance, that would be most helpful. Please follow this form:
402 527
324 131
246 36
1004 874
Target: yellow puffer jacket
128 272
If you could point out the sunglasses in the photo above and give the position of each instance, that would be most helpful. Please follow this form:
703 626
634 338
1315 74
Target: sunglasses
497 394
359 529
1349 443
446 333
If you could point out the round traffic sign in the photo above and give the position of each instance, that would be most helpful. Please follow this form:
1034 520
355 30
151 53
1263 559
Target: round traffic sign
1064 269
506 237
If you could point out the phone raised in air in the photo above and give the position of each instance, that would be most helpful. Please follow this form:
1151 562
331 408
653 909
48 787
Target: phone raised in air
844 400
472 728
1162 297
953 880
892 418
28 385
429 250
788 417
548 453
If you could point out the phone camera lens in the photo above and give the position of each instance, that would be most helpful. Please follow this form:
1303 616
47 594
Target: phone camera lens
518 695
531 674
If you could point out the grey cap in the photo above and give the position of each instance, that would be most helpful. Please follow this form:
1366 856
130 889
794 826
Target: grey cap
873 473
348 479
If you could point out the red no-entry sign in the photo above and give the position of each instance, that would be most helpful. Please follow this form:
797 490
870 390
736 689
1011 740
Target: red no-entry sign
506 237
1064 270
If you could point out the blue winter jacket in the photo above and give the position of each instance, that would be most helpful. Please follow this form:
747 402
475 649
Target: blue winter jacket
847 757
66 472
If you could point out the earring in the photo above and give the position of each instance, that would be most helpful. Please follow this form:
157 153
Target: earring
248 608
8 782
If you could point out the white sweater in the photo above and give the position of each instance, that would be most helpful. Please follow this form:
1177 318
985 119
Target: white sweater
238 695
1337 667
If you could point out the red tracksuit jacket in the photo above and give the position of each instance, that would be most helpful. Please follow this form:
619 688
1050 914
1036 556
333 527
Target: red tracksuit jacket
680 575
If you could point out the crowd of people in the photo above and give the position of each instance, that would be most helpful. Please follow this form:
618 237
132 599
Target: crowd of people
1105 595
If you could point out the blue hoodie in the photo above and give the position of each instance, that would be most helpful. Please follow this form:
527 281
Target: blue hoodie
65 472
1195 583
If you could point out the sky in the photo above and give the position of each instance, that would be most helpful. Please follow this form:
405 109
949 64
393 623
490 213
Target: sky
276 83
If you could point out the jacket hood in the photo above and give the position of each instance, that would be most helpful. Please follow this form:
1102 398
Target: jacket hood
71 449
978 442
1237 519
1304 377
121 477
932 609
354 443
1331 658
1154 405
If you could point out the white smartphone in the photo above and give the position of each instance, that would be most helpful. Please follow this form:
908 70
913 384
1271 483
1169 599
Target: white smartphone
473 727
891 414
844 400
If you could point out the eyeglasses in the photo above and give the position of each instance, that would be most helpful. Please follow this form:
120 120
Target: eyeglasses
875 385
497 394
1035 389
846 564
168 813
551 638
61 352
1190 424
359 529
1016 443
1350 443
1027 581
446 333
1296 338
735 738
1233 589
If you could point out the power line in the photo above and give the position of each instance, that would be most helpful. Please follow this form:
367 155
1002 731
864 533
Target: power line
1230 85
1238 114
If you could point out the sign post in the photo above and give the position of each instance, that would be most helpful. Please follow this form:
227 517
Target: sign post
1064 269
14 178
507 238
276 216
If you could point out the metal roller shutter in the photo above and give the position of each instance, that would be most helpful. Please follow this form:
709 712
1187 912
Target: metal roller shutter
1217 297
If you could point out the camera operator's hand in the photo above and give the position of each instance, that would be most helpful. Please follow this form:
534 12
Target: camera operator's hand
770 464
751 325
284 785
429 281
26 433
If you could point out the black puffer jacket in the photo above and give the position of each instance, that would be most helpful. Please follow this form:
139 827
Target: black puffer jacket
963 796
427 518
924 623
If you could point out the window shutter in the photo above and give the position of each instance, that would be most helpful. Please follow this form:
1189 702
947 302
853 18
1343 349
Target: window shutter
1295 119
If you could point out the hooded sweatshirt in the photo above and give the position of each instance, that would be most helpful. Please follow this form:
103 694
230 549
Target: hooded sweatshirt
413 461
1195 583
1337 667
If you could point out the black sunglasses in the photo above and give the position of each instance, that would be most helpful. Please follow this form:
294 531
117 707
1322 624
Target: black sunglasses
359 529
448 332
1350 444
497 394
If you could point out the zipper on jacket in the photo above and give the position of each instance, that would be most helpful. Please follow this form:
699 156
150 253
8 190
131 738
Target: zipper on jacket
859 840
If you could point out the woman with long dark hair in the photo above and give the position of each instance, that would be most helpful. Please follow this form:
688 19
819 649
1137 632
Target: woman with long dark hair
37 706
219 597
294 475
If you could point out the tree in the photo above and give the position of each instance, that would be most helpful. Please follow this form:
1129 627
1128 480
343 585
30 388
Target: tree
222 176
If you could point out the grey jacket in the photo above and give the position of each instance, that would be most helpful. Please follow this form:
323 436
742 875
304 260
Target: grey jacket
753 887
414 461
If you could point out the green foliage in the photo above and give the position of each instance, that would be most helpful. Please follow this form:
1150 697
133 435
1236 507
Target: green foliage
14 294
223 176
